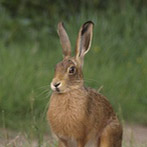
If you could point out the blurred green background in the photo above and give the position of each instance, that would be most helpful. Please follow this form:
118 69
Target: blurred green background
30 49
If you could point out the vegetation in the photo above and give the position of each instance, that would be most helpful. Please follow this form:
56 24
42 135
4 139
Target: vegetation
30 49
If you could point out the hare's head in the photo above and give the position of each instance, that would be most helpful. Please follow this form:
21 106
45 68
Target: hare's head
68 72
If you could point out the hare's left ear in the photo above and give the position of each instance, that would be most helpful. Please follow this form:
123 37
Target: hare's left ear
64 40
84 41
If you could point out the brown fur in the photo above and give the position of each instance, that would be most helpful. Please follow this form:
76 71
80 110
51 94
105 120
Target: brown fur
79 116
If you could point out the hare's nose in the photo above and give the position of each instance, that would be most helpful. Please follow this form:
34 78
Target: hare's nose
57 84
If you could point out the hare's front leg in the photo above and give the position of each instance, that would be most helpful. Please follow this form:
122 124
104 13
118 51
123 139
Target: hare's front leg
111 136
81 143
62 143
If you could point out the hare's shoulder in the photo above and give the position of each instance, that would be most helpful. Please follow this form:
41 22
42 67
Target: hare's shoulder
98 103
95 95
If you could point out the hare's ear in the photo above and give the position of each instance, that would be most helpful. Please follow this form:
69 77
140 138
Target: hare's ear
64 40
84 41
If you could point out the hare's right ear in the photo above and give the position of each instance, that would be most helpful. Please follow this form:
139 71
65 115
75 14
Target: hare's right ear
64 40
84 41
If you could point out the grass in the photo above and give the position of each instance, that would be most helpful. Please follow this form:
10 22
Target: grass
116 61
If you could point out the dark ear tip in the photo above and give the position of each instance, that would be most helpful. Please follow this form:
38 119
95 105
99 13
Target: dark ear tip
88 22
86 26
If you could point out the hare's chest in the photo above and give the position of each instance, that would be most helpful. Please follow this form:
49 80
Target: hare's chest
66 117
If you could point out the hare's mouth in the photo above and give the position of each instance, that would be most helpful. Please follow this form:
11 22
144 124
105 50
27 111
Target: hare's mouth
57 89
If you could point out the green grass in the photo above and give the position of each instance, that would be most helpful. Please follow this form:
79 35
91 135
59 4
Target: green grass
117 60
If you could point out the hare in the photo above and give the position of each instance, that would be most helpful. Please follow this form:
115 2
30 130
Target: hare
80 116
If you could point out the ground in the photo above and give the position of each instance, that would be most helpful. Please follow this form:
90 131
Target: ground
134 136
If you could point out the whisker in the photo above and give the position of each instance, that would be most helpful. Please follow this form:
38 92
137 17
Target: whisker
46 95
46 107
42 87
43 92
91 80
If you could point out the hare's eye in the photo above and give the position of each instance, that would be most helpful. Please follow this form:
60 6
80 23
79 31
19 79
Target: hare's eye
72 70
